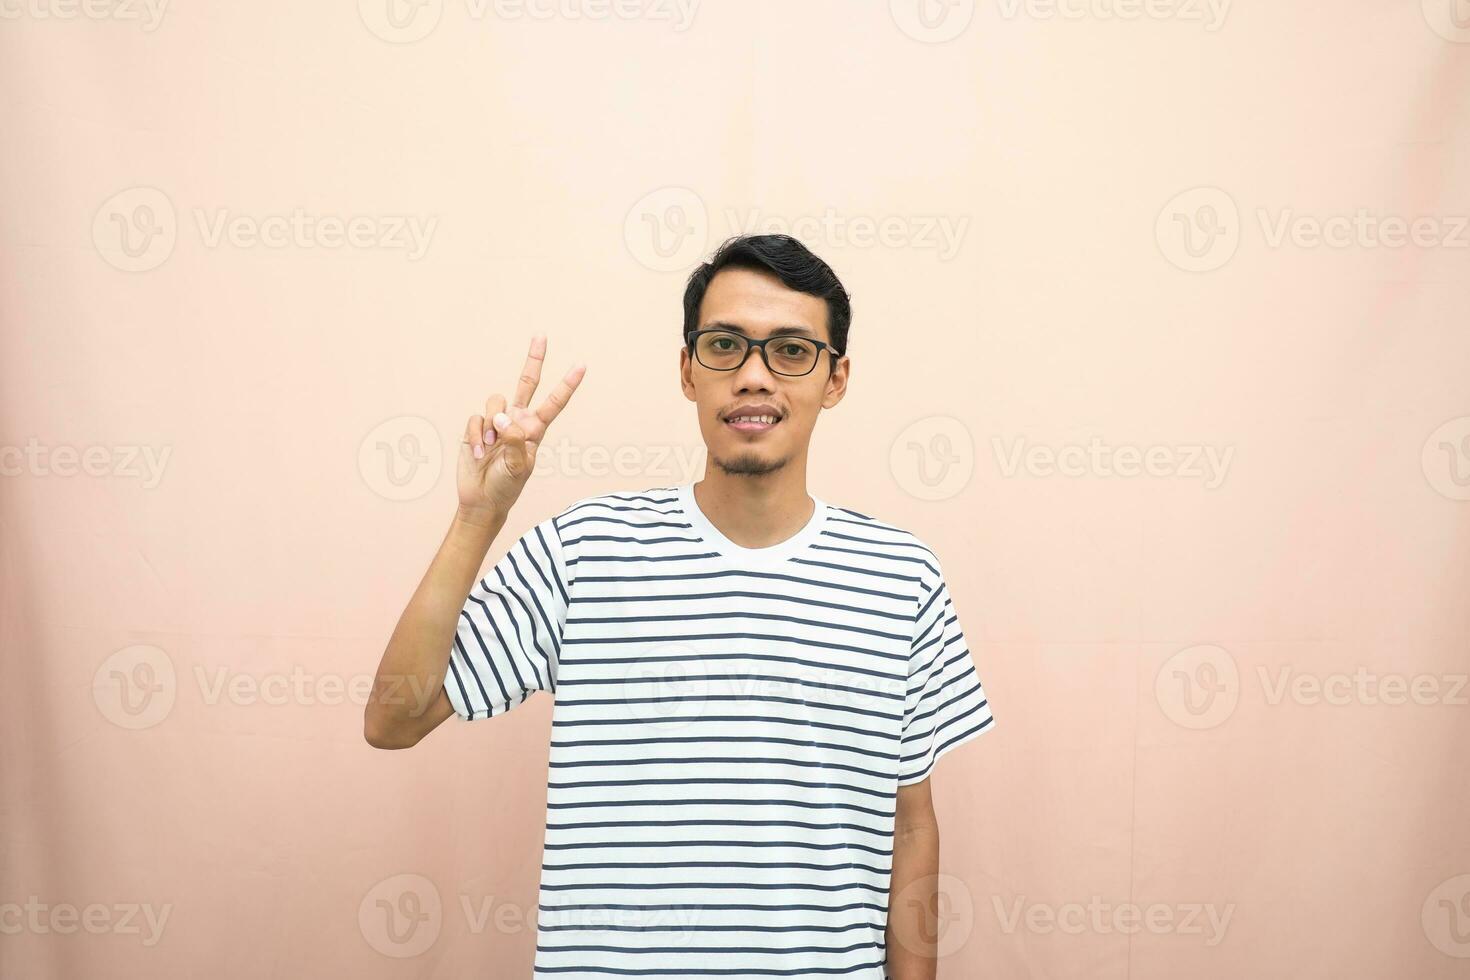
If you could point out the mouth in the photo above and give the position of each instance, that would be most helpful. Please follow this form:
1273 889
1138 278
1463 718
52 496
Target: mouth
753 422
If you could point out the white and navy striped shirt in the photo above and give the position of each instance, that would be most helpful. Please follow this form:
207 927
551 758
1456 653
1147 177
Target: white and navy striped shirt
729 731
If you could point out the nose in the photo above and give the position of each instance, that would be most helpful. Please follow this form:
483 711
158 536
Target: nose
753 374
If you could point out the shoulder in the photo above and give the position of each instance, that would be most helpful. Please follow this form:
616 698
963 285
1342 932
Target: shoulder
614 508
892 540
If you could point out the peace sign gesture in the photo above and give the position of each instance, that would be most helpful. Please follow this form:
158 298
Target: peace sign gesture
499 447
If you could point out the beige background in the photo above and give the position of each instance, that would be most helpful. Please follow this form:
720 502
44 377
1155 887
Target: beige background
1229 686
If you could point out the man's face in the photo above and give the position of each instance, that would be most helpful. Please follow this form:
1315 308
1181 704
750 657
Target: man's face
757 304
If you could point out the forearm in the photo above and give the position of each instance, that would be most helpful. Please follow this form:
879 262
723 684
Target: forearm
408 697
913 914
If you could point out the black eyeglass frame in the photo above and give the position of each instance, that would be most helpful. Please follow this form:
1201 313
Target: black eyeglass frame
751 344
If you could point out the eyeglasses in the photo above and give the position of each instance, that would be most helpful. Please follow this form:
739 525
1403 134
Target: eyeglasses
723 350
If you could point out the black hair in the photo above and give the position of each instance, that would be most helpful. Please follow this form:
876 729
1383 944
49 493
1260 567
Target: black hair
791 262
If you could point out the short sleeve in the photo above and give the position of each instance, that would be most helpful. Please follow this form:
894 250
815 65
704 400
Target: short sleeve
508 640
945 706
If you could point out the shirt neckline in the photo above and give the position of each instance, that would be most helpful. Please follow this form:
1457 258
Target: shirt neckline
776 554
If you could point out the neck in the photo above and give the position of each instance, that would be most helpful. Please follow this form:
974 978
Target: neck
755 511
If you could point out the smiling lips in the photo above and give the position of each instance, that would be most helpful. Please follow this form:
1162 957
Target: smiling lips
756 418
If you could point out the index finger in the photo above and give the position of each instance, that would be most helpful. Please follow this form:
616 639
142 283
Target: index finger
531 373
557 398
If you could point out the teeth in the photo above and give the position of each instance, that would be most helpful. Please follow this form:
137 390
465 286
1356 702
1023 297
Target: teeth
768 419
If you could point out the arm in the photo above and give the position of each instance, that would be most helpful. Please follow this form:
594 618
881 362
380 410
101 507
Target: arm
408 699
913 913
496 456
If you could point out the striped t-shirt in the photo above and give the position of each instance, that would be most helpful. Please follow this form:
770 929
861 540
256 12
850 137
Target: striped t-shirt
729 731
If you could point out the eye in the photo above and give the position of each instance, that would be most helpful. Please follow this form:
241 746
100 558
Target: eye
793 350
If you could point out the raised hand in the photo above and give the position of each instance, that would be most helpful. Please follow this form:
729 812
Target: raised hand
498 452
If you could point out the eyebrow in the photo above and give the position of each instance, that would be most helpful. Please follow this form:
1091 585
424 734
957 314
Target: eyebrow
775 331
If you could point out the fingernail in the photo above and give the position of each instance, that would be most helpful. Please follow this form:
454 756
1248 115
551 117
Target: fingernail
501 420
479 451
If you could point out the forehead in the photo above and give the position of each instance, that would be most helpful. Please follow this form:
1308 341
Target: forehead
759 303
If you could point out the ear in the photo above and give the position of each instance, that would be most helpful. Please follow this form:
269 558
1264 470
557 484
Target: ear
836 382
686 373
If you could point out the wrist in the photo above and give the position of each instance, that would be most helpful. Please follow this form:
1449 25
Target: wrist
480 520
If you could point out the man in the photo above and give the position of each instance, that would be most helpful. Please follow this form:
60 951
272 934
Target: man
751 685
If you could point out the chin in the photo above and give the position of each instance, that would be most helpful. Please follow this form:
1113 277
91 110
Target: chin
747 462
